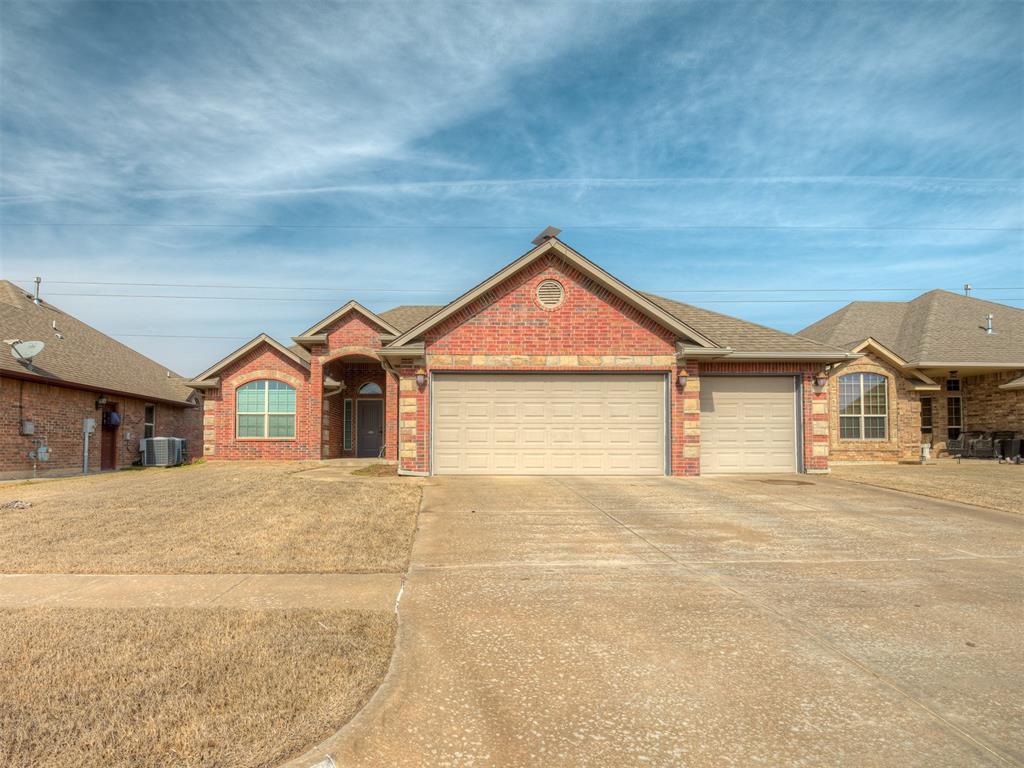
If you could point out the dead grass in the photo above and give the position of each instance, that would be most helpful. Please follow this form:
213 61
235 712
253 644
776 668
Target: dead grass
181 687
213 518
983 483
377 470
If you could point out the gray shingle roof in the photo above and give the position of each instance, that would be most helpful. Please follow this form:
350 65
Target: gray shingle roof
408 315
84 356
742 336
936 327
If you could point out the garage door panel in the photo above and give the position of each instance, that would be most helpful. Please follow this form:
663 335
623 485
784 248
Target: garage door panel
549 424
748 424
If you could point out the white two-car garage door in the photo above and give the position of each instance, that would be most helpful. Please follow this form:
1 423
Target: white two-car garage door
548 424
747 424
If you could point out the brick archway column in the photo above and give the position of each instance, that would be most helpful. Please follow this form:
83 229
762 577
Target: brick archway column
313 436
390 416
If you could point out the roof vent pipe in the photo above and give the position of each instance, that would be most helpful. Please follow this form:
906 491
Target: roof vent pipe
988 325
967 289
37 300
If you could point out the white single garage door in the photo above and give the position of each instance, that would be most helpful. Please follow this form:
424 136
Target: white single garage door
747 424
548 424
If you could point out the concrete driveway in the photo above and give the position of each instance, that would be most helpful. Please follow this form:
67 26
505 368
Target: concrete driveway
712 622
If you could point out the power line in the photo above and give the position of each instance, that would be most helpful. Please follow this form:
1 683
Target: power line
623 227
295 300
354 289
172 336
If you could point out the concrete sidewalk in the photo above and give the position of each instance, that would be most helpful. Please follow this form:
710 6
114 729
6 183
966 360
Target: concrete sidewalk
372 591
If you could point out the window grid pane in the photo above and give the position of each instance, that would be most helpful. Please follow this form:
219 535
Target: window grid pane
874 427
926 414
849 395
249 398
874 395
849 427
250 426
281 399
282 426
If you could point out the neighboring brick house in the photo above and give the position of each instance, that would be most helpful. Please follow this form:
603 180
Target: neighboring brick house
550 366
81 374
931 368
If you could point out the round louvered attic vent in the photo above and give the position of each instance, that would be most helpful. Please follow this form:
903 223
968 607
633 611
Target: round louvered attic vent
550 294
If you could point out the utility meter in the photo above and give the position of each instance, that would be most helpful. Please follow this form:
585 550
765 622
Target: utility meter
88 426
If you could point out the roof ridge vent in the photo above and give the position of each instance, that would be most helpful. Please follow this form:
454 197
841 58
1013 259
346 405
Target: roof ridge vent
548 234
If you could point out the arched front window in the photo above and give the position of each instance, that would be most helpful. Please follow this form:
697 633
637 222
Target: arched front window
370 389
863 407
265 408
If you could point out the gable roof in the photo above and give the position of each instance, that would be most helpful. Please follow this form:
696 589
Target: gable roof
741 336
406 316
553 245
937 328
351 306
84 358
207 379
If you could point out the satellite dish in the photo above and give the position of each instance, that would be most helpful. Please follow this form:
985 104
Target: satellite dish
26 350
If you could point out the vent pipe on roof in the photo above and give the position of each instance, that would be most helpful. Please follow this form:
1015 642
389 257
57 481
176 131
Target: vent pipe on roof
988 325
37 300
547 234
967 289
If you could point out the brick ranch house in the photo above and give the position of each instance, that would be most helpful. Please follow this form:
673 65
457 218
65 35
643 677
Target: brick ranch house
81 374
549 366
930 369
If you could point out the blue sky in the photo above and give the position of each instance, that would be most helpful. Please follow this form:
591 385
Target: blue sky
341 150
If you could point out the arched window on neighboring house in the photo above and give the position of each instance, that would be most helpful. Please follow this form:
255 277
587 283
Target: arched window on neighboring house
863 407
265 409
370 389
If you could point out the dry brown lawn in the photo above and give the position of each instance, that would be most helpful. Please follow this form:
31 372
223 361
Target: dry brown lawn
981 482
181 687
377 470
210 518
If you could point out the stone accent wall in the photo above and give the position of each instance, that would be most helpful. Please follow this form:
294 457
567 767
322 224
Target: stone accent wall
58 413
265 362
989 408
903 441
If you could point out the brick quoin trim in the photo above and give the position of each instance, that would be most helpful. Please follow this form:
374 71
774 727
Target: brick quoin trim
58 413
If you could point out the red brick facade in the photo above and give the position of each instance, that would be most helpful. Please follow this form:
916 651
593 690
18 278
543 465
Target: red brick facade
506 329
57 413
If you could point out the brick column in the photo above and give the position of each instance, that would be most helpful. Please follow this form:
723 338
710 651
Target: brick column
390 416
686 421
312 439
816 428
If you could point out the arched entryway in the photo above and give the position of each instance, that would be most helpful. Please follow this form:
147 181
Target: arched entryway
354 407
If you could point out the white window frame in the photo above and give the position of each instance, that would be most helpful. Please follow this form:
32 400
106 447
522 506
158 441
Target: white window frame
861 417
148 427
266 413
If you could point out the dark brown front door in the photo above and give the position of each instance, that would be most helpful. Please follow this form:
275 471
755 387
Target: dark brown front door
108 440
370 423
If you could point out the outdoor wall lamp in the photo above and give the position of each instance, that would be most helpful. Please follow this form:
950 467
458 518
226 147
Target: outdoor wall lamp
820 379
421 377
101 402
683 377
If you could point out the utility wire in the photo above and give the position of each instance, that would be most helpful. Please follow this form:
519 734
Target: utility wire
624 227
352 289
330 300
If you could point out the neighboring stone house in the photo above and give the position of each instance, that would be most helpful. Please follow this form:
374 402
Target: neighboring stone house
81 374
931 368
550 366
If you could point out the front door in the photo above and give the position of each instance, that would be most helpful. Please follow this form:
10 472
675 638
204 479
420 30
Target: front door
108 439
370 423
